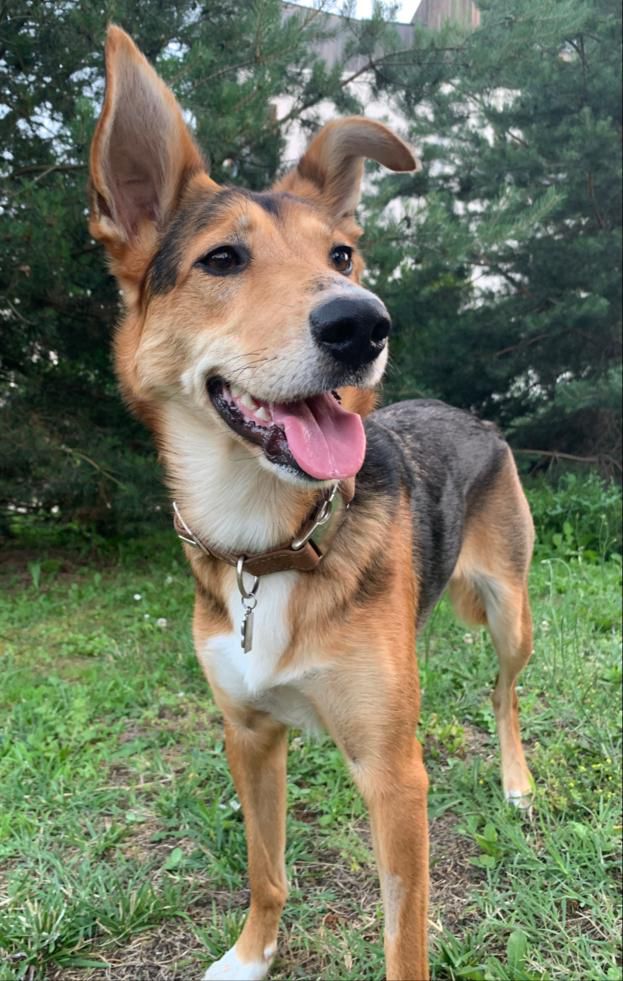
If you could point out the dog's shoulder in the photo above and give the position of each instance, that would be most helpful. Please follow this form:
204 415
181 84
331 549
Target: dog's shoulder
445 460
439 445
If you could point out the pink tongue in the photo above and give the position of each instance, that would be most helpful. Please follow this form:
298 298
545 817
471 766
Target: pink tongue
326 441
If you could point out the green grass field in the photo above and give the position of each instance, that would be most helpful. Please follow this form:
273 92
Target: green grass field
121 840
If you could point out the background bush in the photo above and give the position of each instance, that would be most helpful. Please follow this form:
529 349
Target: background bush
576 516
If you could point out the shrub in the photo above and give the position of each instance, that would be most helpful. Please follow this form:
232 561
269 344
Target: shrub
577 516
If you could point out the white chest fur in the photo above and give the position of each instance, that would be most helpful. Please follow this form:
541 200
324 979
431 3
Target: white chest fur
228 499
255 679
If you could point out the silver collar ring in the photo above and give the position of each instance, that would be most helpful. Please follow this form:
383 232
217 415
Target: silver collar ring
245 593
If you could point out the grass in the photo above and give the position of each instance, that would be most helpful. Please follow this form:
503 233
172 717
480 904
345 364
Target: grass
121 840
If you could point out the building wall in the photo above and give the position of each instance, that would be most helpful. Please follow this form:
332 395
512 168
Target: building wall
431 13
436 13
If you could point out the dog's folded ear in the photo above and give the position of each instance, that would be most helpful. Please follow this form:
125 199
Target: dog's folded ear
331 169
142 152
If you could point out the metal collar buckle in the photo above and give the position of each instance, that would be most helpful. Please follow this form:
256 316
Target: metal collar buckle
189 538
323 515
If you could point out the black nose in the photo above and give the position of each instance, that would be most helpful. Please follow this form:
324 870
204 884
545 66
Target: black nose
353 330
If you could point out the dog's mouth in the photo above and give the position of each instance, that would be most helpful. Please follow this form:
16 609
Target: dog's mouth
315 437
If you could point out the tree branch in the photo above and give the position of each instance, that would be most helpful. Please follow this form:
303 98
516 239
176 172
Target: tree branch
44 169
87 459
525 342
559 455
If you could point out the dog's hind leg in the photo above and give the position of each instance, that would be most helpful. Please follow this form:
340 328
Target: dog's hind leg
489 587
510 625
506 611
257 754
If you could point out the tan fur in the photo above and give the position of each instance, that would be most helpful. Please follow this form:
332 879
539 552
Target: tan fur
331 169
120 161
490 586
351 629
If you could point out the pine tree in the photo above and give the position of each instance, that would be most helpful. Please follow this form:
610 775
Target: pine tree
65 439
504 275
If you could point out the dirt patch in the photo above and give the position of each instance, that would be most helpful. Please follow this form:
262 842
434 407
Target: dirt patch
170 953
453 877
478 742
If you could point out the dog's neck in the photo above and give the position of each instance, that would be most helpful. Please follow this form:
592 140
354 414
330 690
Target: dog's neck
226 496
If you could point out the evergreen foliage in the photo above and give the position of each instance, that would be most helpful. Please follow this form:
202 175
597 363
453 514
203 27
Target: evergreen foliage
502 276
65 439
508 296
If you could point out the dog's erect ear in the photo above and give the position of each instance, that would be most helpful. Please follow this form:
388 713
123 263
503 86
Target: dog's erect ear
332 166
142 153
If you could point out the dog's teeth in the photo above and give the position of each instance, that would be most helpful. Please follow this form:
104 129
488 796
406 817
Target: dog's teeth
235 391
247 400
262 414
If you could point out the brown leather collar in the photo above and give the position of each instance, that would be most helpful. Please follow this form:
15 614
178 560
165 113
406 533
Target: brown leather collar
302 554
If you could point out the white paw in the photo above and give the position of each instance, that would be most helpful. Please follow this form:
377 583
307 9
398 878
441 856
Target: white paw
231 968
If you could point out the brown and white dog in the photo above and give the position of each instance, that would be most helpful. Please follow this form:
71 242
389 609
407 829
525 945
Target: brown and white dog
252 352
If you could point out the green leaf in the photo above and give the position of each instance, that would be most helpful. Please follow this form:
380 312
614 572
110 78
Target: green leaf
516 949
490 833
175 858
484 861
85 962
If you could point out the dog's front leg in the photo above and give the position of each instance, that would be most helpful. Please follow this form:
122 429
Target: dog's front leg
400 828
257 751
396 795
375 729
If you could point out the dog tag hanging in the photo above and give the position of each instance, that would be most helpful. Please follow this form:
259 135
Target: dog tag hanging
246 628
249 602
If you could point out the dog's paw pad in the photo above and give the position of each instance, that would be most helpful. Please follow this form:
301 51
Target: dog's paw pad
231 968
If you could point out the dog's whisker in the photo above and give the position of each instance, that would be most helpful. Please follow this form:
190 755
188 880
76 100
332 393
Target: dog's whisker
252 360
252 364
246 354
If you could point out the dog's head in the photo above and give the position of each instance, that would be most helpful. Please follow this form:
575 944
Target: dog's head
245 308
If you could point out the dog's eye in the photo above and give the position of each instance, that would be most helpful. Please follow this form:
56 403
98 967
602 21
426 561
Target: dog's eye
225 260
342 258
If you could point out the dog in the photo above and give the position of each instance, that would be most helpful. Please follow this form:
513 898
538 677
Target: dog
320 532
